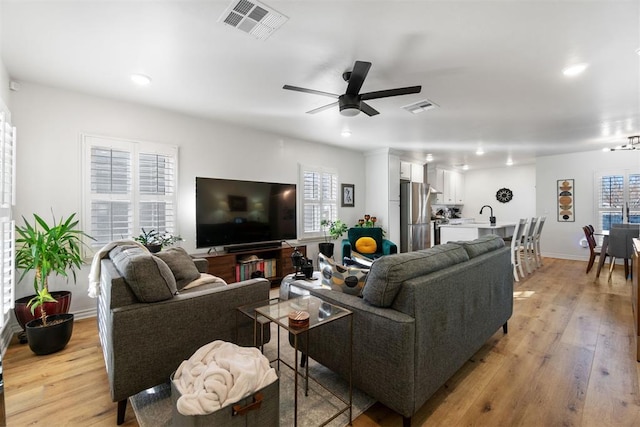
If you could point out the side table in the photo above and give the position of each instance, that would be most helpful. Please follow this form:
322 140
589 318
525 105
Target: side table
249 310
293 288
320 313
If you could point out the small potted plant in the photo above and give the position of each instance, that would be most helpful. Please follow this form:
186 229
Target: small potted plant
336 229
154 241
47 249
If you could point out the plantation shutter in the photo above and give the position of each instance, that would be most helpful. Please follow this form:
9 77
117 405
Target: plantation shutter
7 225
111 214
618 198
132 186
319 199
157 192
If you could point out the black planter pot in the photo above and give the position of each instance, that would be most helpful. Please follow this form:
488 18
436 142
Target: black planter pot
326 249
23 312
51 338
154 249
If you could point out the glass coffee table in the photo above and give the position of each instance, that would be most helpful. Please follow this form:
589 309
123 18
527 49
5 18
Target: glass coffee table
320 313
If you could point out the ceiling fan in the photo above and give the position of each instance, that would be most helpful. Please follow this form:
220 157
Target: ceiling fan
352 102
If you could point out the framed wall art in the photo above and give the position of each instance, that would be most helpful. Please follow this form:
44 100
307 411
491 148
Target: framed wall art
348 195
566 199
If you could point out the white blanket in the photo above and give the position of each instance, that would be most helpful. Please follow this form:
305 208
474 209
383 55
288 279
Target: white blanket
218 374
94 273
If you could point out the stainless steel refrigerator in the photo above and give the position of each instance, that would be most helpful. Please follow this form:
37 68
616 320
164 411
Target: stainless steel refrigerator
415 216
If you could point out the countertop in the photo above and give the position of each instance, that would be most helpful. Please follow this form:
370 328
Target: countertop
480 225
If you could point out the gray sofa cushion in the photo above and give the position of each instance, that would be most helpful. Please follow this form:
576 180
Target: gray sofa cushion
181 264
388 272
148 276
482 245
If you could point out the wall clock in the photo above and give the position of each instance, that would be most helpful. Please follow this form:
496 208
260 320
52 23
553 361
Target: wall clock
504 195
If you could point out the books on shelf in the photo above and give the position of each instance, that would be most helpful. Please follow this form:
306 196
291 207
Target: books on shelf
245 268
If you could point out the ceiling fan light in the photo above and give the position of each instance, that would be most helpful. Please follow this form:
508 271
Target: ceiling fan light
574 70
141 79
349 111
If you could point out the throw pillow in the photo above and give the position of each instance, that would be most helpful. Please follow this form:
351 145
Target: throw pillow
366 245
148 276
181 264
350 280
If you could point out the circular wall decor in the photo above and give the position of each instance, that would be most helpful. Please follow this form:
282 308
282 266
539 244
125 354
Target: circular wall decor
504 195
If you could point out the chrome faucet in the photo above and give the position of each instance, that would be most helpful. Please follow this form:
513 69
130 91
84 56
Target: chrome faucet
492 219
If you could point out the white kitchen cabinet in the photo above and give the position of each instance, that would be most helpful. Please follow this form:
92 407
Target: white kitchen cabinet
382 170
394 177
451 184
405 171
417 173
393 227
458 187
413 172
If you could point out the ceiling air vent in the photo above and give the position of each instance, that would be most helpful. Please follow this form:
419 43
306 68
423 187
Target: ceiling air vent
420 106
253 18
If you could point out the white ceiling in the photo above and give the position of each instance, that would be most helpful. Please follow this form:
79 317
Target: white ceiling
493 67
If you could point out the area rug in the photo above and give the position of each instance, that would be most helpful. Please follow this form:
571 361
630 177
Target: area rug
153 407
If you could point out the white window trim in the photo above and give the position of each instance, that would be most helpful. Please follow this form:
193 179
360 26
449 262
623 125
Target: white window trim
135 147
302 168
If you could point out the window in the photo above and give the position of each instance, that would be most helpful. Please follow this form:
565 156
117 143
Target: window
131 185
618 198
319 199
7 225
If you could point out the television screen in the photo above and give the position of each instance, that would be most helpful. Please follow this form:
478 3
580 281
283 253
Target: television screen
232 212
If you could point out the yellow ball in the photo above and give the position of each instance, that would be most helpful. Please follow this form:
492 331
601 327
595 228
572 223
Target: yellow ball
366 245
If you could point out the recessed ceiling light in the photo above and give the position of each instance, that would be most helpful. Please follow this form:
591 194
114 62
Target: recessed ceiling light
479 152
574 70
509 162
141 79
429 157
465 167
638 51
346 133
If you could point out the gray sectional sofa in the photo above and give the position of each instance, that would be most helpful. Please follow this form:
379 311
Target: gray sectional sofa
149 322
422 315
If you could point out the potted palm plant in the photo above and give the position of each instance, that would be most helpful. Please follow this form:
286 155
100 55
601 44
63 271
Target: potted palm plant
336 229
46 249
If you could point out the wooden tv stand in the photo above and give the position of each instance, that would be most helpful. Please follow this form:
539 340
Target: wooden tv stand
223 264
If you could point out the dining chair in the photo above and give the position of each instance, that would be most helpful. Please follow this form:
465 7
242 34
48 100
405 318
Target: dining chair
516 240
594 249
536 240
527 246
621 246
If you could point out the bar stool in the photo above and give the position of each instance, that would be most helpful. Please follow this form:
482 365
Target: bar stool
516 240
536 240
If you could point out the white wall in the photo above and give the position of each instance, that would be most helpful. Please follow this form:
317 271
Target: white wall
4 76
562 239
481 187
50 122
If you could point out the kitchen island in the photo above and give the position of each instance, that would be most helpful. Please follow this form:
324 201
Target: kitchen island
473 230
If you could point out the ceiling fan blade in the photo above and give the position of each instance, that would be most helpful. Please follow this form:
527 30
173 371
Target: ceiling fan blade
324 107
312 91
390 92
368 109
359 73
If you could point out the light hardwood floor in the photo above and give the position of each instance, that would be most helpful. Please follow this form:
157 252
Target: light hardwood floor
568 360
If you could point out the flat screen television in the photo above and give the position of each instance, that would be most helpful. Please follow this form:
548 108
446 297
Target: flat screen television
232 212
